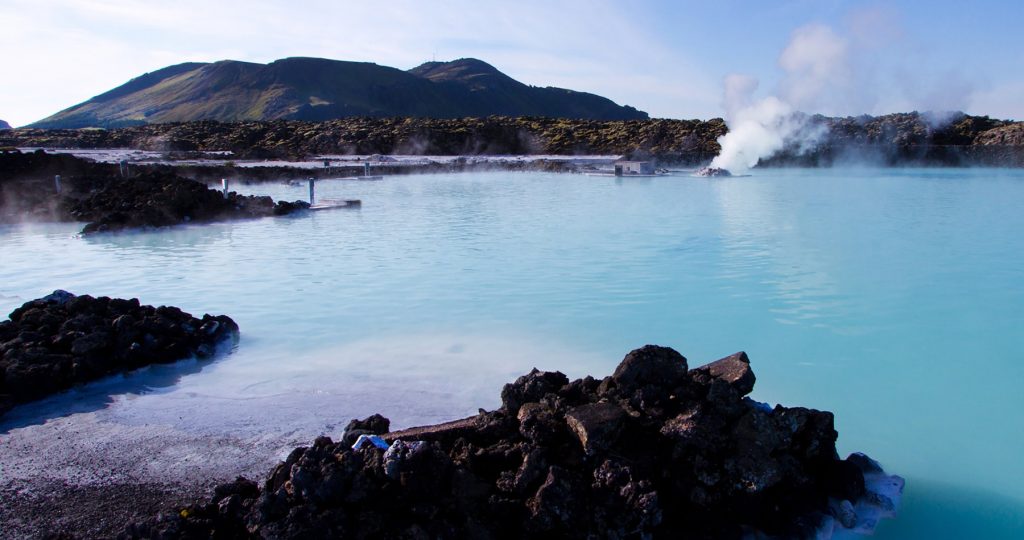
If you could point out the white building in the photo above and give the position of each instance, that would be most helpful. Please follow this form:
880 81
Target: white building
628 168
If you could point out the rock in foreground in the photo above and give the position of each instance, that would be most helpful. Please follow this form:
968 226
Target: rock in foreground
57 341
655 450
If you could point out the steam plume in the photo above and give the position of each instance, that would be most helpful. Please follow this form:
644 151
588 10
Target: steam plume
815 60
829 72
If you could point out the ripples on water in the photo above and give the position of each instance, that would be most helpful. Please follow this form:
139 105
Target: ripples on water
892 297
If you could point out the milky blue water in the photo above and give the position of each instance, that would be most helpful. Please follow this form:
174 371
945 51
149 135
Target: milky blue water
894 298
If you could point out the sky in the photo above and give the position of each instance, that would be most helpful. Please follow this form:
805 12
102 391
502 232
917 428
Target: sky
672 59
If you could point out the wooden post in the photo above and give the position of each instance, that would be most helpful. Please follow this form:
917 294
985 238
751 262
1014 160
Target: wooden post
224 186
312 197
366 169
56 182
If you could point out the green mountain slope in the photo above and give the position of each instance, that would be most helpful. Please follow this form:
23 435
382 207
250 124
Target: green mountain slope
321 89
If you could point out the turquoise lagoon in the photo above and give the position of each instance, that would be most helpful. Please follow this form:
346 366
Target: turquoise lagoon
892 297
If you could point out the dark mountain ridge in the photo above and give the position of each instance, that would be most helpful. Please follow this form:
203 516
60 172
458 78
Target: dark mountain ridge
319 89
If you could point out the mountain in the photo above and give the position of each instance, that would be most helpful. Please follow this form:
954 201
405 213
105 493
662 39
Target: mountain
321 89
4 125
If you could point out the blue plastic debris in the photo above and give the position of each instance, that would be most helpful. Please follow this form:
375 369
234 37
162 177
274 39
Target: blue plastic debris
364 440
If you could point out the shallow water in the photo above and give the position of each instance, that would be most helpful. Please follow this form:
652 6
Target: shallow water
892 297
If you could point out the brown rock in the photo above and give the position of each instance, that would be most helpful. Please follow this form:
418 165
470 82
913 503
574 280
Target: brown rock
597 425
734 370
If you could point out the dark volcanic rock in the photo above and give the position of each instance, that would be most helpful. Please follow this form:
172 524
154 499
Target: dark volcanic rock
734 370
915 138
50 344
712 172
155 200
650 365
597 425
99 195
893 139
671 141
653 451
27 190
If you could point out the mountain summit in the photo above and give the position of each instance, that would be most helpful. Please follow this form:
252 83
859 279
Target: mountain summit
322 89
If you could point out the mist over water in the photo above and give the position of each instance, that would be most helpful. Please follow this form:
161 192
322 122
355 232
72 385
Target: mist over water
848 71
890 297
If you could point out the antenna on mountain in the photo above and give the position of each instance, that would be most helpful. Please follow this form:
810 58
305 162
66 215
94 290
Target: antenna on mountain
433 57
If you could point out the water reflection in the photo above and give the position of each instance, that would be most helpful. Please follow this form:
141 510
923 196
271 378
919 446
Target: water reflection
890 297
101 394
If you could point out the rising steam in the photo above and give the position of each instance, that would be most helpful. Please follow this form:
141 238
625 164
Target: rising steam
815 59
825 71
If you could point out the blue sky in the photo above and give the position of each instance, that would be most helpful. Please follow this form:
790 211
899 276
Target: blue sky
668 58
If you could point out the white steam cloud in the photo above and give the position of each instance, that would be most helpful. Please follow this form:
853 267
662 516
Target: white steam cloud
757 129
815 62
829 72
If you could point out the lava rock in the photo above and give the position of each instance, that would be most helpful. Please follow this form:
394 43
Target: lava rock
734 370
52 343
711 172
283 208
531 388
100 195
564 459
597 425
650 364
160 200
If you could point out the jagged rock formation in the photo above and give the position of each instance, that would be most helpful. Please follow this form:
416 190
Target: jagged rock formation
911 138
108 201
907 138
654 450
321 89
52 343
155 200
671 140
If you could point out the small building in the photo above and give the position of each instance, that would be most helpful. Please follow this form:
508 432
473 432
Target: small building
629 168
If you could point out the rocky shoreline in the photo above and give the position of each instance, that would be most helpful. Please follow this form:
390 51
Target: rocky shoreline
654 450
55 342
108 200
894 139
682 141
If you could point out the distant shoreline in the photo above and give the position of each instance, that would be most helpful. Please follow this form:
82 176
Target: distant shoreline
890 140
